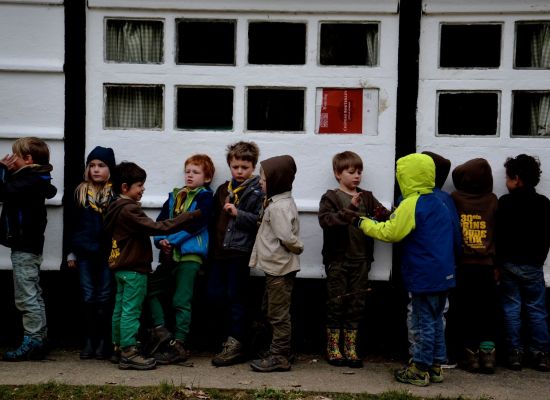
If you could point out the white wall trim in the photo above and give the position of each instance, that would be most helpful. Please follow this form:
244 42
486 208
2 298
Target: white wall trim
31 66
477 7
45 133
34 2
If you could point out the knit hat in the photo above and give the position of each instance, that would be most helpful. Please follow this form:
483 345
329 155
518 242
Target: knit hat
105 154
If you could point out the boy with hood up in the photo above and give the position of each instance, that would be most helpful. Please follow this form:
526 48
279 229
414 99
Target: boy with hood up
476 287
275 252
423 223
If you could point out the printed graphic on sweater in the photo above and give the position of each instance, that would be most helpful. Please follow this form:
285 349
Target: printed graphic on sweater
474 230
115 253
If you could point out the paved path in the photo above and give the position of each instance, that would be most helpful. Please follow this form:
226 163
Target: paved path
307 374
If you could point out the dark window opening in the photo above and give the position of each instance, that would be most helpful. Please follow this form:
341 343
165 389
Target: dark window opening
349 44
275 110
280 43
205 108
531 113
470 46
532 44
468 114
206 42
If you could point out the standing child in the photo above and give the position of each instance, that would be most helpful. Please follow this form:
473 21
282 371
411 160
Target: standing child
347 255
275 252
131 258
522 248
475 277
24 186
183 253
423 224
89 251
237 205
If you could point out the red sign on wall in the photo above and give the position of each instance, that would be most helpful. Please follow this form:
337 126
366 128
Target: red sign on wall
341 111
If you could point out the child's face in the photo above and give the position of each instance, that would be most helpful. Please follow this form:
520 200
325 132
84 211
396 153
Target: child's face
98 171
513 183
135 191
263 183
194 176
241 170
20 161
349 179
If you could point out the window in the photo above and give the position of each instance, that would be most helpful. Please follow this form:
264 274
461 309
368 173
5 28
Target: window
531 113
468 113
282 43
470 46
348 44
133 106
533 45
206 42
134 41
204 108
274 109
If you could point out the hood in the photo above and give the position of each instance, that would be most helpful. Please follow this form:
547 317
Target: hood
474 177
113 211
45 178
442 168
415 174
279 174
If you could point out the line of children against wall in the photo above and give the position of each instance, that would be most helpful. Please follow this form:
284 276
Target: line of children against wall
252 221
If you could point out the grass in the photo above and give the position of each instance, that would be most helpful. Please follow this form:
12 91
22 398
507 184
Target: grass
166 391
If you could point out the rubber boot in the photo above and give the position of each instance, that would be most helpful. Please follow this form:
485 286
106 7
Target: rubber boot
88 350
103 318
334 356
350 349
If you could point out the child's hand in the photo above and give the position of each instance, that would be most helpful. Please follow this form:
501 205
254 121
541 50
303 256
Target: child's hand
230 209
9 161
356 199
71 264
165 246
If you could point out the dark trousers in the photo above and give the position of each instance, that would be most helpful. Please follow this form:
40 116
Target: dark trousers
277 300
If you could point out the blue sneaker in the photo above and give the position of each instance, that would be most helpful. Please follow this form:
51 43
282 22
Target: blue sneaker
30 349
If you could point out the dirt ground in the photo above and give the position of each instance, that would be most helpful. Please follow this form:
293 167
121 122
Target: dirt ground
308 374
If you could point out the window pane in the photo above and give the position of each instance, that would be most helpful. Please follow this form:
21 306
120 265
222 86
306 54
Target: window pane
275 110
205 108
276 43
132 41
533 45
531 115
133 106
206 42
470 46
472 113
349 44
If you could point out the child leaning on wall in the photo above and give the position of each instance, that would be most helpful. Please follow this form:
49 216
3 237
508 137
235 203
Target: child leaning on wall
476 294
237 206
522 247
424 226
89 251
131 257
182 254
276 253
347 256
25 184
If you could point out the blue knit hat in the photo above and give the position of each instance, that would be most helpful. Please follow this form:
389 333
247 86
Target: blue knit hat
105 154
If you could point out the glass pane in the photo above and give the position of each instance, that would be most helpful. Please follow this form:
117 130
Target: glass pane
133 41
277 43
471 113
533 45
275 110
133 106
531 114
349 44
470 46
206 42
205 108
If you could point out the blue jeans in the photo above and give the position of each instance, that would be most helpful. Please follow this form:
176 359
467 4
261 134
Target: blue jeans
522 286
28 293
95 279
426 324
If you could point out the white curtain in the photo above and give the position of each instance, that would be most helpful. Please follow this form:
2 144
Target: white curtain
540 58
134 41
372 46
133 107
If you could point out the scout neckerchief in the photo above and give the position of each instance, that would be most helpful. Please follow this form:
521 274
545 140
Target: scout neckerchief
99 200
183 199
233 196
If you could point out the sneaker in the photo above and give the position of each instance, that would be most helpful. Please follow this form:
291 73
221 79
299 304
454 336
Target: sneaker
272 363
436 373
515 360
130 358
487 360
541 361
30 349
411 374
157 336
115 355
232 353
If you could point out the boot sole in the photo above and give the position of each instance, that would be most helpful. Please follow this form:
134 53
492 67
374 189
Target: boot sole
269 369
137 367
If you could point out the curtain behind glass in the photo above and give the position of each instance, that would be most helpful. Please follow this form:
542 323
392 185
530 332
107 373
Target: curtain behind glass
134 41
540 58
133 107
372 47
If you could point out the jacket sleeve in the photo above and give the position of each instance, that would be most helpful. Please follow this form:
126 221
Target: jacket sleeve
281 224
396 228
163 215
137 220
331 215
205 203
247 220
377 209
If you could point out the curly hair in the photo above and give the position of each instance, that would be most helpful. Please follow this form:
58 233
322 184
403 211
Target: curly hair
525 167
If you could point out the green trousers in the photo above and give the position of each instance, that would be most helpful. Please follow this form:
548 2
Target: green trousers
179 278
